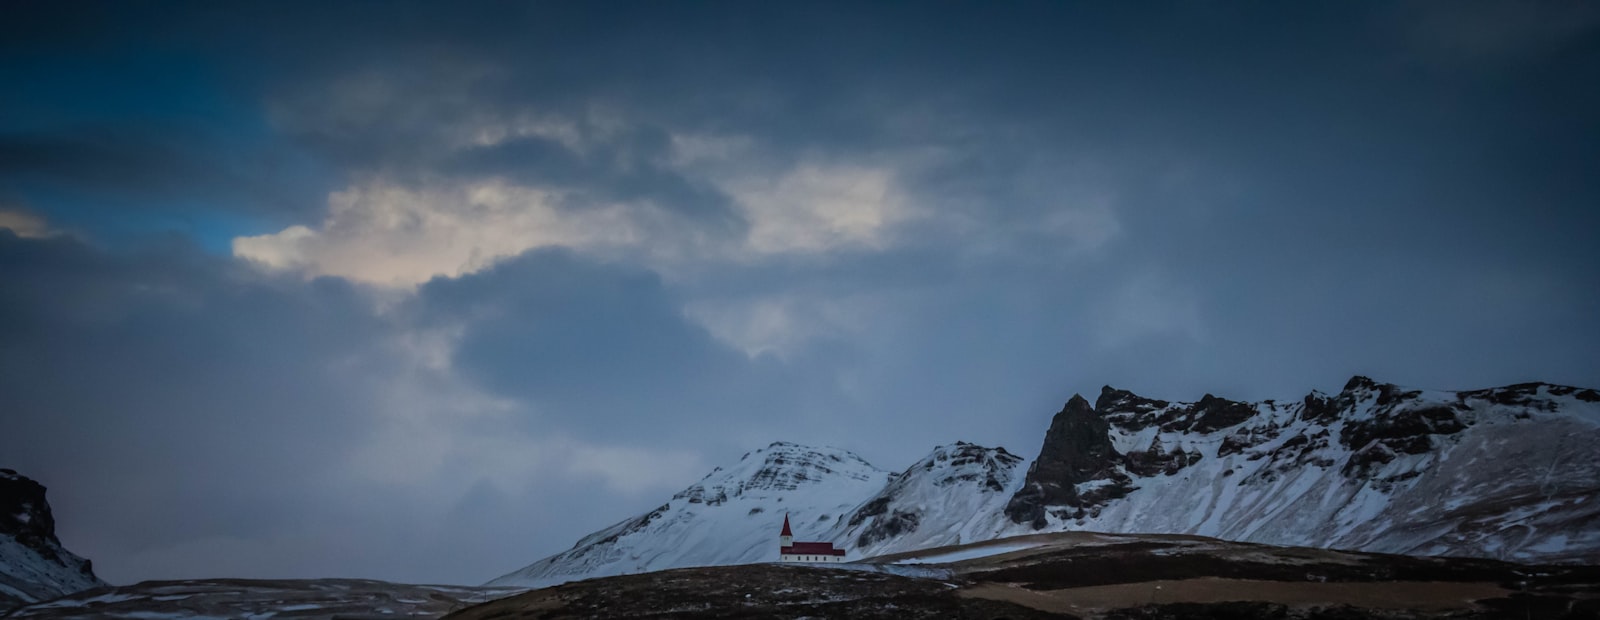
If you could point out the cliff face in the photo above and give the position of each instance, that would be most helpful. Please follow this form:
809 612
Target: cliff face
1376 467
33 564
1077 469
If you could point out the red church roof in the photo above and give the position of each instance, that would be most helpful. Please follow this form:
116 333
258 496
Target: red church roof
811 548
806 548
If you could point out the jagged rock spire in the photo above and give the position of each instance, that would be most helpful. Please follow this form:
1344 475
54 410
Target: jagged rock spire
1076 449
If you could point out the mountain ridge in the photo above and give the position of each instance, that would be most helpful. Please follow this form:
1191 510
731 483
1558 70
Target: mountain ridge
1364 469
1360 469
723 518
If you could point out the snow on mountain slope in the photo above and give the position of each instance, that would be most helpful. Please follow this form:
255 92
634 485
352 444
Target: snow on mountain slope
1508 473
33 564
941 500
732 516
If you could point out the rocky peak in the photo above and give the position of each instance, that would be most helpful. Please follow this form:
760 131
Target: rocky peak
1324 409
1077 440
24 513
778 468
1077 449
968 462
1535 395
1320 408
1213 413
1113 400
951 473
1360 388
1130 411
33 564
1359 383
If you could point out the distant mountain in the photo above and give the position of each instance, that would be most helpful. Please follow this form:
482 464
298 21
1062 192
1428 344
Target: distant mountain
948 497
731 516
1509 473
33 564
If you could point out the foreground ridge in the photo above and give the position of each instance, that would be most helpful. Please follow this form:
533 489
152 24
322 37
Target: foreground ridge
1084 575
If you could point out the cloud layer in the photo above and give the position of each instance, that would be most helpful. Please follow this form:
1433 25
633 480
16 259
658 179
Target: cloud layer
421 294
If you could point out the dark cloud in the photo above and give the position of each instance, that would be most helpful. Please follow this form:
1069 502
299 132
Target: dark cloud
187 398
194 417
622 169
603 349
1249 200
148 168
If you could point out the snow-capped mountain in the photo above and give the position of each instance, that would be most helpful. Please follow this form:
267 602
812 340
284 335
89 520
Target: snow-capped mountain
33 564
1507 473
732 516
949 497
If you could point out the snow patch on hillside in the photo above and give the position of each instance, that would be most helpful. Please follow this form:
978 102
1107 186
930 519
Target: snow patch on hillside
732 516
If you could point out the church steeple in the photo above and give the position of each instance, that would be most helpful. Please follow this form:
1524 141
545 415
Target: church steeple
786 538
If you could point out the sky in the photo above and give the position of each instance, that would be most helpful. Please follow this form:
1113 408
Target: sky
425 292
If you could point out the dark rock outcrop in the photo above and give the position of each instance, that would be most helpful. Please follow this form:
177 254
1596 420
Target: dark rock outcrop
1213 414
1130 411
27 522
901 522
875 508
1319 408
25 515
1077 449
1158 459
966 462
1501 472
1397 425
1079 469
959 468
